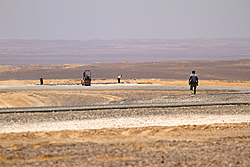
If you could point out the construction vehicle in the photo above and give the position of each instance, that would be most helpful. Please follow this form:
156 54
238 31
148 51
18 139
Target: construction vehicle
86 78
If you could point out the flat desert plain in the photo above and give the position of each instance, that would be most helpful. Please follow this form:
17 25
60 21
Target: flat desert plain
216 135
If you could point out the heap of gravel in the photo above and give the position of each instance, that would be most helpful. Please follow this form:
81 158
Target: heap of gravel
118 113
212 97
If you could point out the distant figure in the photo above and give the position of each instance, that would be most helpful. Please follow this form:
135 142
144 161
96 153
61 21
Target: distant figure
119 78
193 82
41 80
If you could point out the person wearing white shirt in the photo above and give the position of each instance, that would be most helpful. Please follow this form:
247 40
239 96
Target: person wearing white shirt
119 78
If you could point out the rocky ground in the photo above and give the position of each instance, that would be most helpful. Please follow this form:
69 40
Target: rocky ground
203 145
217 144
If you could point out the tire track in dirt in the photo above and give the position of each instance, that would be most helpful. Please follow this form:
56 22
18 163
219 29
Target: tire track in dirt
52 98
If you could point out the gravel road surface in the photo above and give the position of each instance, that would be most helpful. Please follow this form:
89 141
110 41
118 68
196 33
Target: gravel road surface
120 87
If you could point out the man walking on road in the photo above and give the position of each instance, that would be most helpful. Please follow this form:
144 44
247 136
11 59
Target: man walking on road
193 82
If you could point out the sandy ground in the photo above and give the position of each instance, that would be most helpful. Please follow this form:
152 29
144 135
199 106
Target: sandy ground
185 136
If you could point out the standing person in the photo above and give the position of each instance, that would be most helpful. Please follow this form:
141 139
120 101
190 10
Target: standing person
193 82
119 78
41 80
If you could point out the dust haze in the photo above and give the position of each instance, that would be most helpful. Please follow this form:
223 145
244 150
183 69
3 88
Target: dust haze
55 52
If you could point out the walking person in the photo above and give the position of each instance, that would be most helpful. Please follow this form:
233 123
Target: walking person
119 78
193 82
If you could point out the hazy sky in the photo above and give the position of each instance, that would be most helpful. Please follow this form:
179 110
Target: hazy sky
109 19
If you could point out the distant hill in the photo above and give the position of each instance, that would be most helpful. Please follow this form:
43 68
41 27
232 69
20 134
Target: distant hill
232 70
48 52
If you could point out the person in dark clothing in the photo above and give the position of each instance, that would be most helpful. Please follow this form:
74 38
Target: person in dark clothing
193 82
41 80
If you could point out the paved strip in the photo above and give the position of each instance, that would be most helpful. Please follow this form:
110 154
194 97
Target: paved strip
117 106
100 87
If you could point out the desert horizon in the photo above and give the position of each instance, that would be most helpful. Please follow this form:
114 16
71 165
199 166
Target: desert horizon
211 58
231 70
56 52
